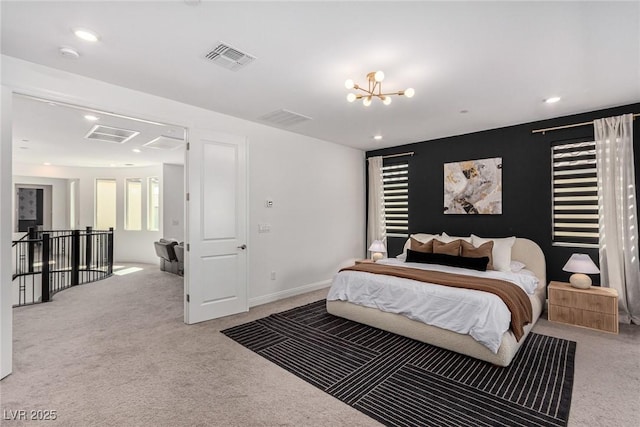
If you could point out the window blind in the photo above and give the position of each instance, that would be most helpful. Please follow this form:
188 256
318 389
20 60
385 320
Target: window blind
395 178
575 195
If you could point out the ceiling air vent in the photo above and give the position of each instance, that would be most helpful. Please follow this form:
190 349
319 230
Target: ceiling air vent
229 57
284 118
110 134
164 143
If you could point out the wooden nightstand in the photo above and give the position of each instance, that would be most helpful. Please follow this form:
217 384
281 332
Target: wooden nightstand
364 261
593 308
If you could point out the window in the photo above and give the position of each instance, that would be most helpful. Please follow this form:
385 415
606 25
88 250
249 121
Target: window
153 200
105 204
575 194
133 204
395 178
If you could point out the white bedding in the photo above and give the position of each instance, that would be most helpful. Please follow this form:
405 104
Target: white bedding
482 315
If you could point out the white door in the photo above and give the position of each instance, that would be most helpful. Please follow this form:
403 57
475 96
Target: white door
216 260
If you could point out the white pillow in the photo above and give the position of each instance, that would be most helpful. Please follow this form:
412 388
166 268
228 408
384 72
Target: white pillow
501 250
445 238
516 266
420 237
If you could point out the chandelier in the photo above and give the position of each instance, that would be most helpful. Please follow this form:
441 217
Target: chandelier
374 80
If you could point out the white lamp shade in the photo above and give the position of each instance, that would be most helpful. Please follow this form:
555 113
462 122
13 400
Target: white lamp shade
581 263
377 248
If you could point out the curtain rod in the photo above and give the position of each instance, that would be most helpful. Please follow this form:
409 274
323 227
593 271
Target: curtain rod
542 131
408 153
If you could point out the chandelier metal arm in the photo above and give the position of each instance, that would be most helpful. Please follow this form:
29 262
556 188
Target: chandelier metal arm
374 80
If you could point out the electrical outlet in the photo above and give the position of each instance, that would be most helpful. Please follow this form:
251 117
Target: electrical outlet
269 203
273 275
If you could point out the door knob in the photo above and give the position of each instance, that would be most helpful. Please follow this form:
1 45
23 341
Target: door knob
243 246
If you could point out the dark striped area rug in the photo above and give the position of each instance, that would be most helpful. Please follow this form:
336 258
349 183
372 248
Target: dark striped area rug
402 382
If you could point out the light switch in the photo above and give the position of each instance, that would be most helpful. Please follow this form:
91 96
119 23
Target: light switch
264 228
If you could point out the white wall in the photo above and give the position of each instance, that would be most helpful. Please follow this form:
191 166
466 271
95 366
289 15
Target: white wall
135 246
59 199
172 201
6 291
318 221
317 218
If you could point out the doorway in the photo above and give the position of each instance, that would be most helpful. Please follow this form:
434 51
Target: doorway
32 207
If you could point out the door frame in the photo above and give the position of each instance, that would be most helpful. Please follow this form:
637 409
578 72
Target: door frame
119 103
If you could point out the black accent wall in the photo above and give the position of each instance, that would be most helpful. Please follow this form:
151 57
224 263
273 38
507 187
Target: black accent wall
526 181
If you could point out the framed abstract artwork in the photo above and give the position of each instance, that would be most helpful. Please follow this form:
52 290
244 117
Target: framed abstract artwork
473 187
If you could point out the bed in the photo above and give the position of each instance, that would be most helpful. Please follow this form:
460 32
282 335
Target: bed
523 250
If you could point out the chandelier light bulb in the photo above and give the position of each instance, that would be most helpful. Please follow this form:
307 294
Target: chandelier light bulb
374 90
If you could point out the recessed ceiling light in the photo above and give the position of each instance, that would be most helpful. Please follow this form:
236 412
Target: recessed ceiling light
68 52
24 148
129 164
91 117
464 111
112 165
377 137
25 140
136 150
87 35
47 164
552 100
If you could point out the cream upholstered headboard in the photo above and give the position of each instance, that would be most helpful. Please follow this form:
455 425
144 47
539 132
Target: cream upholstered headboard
528 252
523 250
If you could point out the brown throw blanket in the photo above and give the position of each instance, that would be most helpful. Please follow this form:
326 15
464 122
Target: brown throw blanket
515 298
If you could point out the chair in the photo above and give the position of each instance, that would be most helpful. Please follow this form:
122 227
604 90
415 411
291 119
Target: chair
168 260
179 250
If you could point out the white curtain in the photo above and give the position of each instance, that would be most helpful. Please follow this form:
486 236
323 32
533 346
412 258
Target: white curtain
376 229
619 265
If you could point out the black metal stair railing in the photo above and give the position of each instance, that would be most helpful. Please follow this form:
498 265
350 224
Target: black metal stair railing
47 262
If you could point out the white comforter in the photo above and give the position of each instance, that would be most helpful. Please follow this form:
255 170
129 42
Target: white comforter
482 315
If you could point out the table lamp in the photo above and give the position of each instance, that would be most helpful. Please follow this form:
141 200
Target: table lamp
580 265
377 248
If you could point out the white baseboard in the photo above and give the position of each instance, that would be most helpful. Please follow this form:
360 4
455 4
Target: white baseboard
288 293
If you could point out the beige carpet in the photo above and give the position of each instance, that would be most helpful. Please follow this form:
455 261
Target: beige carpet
116 353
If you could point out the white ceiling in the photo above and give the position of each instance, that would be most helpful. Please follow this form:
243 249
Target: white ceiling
497 60
46 132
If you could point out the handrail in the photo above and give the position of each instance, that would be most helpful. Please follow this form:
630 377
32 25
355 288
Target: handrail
15 242
50 262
